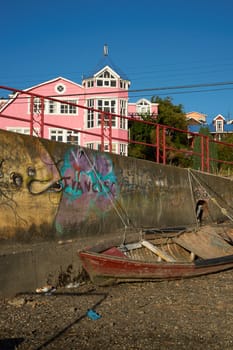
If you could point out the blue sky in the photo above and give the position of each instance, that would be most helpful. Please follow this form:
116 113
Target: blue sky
157 43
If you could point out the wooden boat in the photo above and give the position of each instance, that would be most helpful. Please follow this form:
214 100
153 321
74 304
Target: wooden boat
158 256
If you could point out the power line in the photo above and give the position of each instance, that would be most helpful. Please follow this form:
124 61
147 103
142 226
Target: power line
163 88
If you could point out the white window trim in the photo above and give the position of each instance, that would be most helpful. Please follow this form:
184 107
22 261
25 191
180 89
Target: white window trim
22 130
219 125
64 134
112 77
57 106
115 112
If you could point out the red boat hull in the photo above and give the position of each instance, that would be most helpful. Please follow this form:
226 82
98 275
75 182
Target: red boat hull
106 269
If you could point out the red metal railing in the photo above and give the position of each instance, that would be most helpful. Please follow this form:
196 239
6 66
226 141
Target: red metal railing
161 146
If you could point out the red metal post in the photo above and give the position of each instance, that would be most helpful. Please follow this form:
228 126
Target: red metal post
31 114
164 145
157 142
207 140
102 131
202 152
110 132
37 117
42 118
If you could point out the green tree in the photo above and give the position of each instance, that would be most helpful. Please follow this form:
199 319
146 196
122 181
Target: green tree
225 153
173 115
141 132
170 115
197 148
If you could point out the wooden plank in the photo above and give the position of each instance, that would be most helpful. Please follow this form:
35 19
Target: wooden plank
204 243
158 251
131 246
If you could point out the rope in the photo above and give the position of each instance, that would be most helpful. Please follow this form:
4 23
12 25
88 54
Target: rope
192 196
111 200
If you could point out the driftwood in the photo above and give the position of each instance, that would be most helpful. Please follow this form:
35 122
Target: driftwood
158 251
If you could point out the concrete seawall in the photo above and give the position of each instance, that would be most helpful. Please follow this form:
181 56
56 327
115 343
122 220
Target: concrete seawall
53 192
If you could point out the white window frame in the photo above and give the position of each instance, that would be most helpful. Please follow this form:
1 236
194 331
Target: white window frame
62 135
90 119
21 130
51 105
107 147
90 145
69 109
106 79
106 105
123 149
57 107
143 107
123 109
219 125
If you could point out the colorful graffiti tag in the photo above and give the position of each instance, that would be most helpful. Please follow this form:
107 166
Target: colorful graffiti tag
36 194
89 187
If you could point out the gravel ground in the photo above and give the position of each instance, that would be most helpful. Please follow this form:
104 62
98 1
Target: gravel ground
186 314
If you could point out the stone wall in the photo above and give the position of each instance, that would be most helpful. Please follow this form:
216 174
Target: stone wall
52 192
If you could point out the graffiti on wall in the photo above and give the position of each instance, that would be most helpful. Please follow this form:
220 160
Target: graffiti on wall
29 185
89 187
36 192
67 189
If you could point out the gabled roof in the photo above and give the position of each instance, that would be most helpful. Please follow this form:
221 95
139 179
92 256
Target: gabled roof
143 99
13 97
219 116
109 69
52 81
106 62
201 122
197 113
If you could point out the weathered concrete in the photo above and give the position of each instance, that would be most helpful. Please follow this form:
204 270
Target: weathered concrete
53 191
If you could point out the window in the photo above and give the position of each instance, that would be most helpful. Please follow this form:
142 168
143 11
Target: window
67 108
106 79
123 149
90 83
107 106
123 84
114 148
51 105
60 88
90 114
72 137
37 105
90 145
107 147
67 136
123 121
219 126
25 131
143 107
57 135
54 107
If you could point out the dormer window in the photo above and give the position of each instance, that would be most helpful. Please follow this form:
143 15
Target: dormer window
90 83
143 107
106 79
219 126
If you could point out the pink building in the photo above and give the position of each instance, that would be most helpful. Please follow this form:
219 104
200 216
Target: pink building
78 122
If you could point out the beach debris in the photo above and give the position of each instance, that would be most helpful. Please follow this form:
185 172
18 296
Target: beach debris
93 315
73 285
48 290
